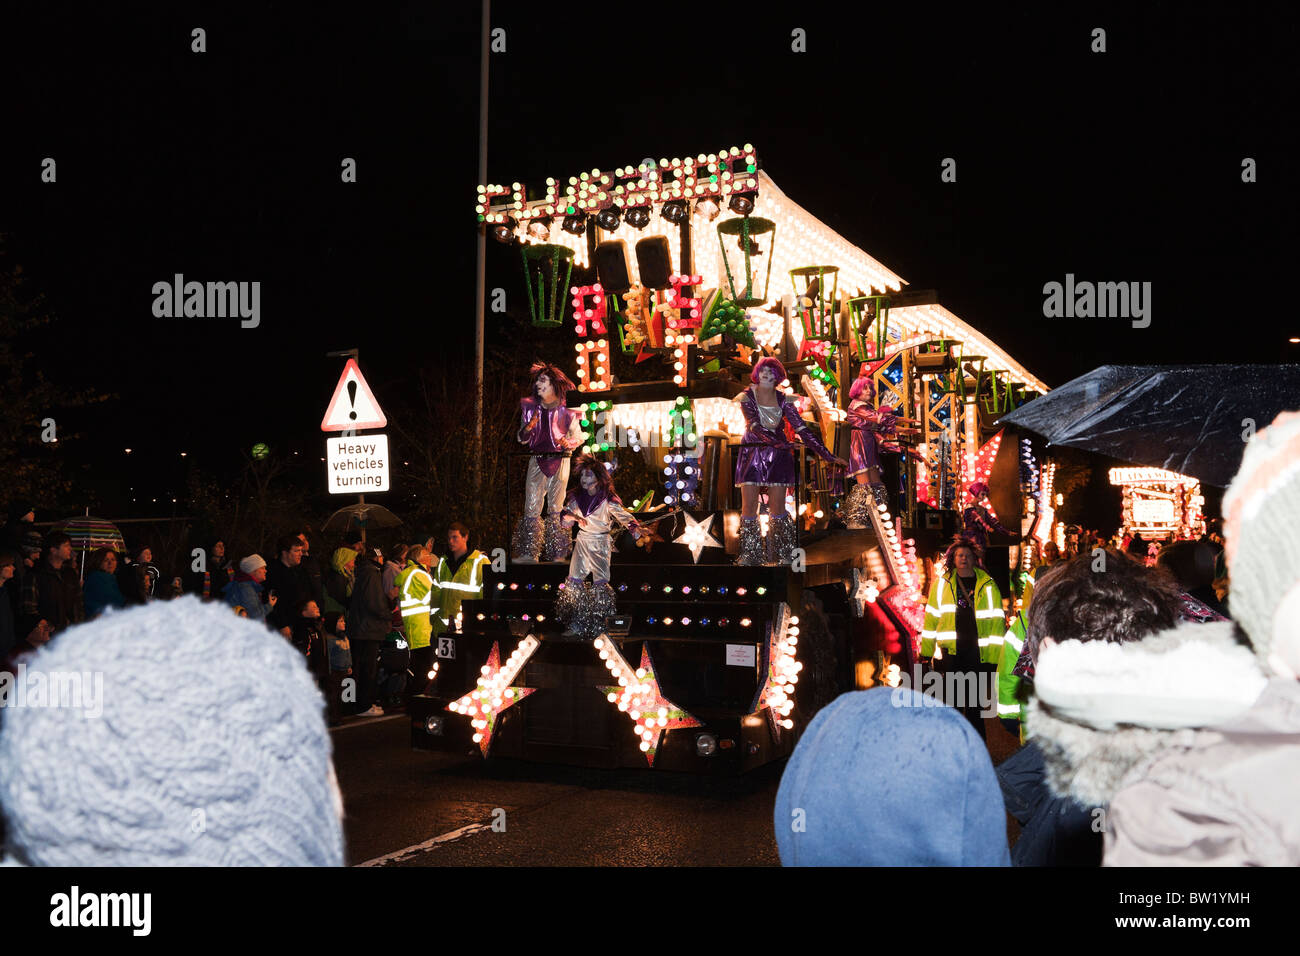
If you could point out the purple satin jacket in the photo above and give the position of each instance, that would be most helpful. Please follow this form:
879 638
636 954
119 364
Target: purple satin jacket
550 440
765 457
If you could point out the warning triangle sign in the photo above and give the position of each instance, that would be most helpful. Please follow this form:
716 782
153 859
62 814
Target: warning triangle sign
353 404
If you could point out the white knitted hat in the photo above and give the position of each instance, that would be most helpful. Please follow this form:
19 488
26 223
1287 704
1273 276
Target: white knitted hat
209 748
251 563
1261 528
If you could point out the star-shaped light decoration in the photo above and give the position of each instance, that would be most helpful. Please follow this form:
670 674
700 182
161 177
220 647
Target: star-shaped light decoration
637 694
776 694
696 536
864 591
494 694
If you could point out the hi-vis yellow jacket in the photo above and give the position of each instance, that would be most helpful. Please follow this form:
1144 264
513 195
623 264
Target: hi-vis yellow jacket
415 599
940 625
1009 703
467 582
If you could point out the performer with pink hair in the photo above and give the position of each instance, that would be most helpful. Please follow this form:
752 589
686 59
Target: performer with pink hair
551 431
595 507
873 433
766 461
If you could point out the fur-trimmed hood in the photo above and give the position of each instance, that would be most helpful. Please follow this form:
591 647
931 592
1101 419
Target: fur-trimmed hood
1102 712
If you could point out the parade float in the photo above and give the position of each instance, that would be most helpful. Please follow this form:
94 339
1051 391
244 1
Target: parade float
1159 504
745 597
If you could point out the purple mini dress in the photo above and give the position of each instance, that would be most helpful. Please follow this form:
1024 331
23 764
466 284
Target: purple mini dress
872 429
765 455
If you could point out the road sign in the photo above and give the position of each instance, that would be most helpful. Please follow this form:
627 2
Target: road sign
358 465
353 405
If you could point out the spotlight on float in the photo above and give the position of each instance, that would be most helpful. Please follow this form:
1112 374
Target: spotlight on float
638 217
540 229
708 208
504 231
675 211
575 224
742 204
608 219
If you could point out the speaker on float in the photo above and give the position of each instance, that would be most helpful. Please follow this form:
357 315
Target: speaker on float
612 266
655 262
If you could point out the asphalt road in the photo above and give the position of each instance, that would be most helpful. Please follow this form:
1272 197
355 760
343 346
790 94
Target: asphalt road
412 808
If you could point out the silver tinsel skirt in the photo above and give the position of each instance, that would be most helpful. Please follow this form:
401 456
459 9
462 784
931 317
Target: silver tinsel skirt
557 539
526 543
781 539
582 607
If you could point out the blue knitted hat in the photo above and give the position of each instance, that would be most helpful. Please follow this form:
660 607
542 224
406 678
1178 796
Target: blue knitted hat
888 777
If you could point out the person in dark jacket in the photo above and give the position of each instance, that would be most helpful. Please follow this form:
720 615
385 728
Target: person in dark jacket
102 591
369 620
310 571
29 555
50 594
8 627
20 524
309 638
138 577
208 584
287 584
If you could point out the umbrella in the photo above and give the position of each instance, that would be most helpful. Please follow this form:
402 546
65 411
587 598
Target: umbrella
362 516
89 533
1192 419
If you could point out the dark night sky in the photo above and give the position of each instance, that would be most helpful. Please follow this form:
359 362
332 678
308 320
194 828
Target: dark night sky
225 166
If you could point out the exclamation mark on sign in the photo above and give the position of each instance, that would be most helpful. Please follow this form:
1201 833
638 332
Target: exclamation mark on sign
352 398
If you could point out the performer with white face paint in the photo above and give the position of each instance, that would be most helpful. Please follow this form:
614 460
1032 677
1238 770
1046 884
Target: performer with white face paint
595 508
551 431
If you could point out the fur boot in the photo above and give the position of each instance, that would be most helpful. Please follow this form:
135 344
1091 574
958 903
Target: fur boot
752 550
557 540
781 539
857 502
582 607
526 545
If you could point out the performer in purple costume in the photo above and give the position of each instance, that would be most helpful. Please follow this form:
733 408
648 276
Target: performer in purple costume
551 431
766 461
872 430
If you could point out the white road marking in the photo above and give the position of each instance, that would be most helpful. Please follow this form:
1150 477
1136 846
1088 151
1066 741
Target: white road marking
449 837
367 720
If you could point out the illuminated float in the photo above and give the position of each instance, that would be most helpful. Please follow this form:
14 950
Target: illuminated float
703 265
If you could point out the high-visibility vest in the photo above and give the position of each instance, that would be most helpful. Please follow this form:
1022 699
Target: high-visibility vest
467 582
940 626
1009 703
415 600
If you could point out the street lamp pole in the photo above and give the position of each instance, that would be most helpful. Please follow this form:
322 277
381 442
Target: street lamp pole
481 266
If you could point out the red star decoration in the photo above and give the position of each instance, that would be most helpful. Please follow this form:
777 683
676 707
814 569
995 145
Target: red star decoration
491 697
639 696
